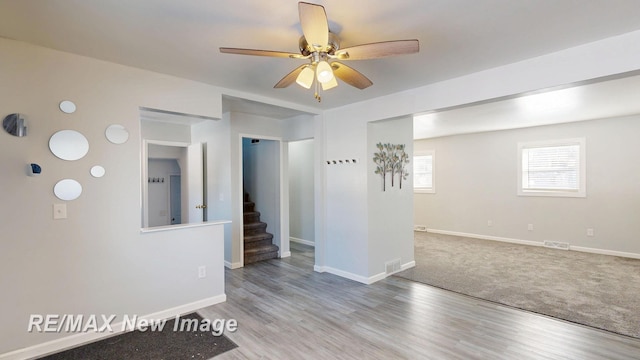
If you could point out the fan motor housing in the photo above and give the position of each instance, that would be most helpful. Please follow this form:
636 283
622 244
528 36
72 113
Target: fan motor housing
332 46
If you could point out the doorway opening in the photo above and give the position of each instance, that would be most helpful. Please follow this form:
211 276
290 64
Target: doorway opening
301 197
262 229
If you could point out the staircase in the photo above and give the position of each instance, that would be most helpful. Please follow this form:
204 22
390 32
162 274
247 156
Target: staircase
258 244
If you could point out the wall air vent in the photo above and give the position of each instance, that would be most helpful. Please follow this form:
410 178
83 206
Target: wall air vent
556 245
392 266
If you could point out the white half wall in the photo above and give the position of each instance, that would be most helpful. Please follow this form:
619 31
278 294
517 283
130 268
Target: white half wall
477 183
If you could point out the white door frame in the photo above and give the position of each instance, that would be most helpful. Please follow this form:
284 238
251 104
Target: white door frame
283 242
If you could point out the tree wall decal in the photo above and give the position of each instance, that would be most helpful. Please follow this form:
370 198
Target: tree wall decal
381 160
391 159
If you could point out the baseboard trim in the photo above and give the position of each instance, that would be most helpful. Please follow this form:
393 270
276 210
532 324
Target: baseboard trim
408 265
384 275
302 241
377 277
486 237
536 243
342 273
230 265
285 254
361 279
74 340
605 252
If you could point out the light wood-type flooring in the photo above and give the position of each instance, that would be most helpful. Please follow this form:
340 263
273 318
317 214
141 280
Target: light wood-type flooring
285 310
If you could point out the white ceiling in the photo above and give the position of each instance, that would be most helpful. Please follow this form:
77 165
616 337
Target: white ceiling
597 100
182 37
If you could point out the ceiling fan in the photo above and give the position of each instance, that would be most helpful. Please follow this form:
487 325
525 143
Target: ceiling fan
322 48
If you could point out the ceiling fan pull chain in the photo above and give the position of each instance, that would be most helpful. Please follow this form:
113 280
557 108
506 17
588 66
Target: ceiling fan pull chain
317 96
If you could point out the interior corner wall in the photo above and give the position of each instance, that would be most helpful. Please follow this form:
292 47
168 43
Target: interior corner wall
476 178
390 215
96 261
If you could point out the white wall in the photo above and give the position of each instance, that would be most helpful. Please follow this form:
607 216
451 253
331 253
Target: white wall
217 134
163 131
477 182
299 127
301 191
343 230
345 227
390 211
96 261
67 255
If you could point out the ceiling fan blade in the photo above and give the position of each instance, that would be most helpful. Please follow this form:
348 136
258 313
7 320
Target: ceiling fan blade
261 53
378 50
350 76
315 26
290 78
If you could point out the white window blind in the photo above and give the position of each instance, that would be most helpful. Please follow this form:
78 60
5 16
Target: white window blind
553 168
423 172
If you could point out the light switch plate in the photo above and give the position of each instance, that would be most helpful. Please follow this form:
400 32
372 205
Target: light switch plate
59 211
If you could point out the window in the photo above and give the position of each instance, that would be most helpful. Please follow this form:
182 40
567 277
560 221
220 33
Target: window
423 178
552 168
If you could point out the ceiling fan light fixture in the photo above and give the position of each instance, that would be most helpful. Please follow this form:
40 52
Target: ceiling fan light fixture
321 48
324 73
305 78
329 84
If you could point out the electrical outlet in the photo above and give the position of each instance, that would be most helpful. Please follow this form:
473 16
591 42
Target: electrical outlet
489 223
589 232
530 227
202 272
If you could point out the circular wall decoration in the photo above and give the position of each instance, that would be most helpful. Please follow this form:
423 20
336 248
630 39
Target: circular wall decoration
97 171
69 145
67 189
67 107
117 134
15 125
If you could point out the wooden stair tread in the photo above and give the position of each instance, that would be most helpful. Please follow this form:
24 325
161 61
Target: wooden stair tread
261 249
258 243
258 237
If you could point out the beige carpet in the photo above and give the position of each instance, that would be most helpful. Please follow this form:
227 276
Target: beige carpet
595 290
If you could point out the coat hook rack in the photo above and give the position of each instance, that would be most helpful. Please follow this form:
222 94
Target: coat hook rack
351 161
